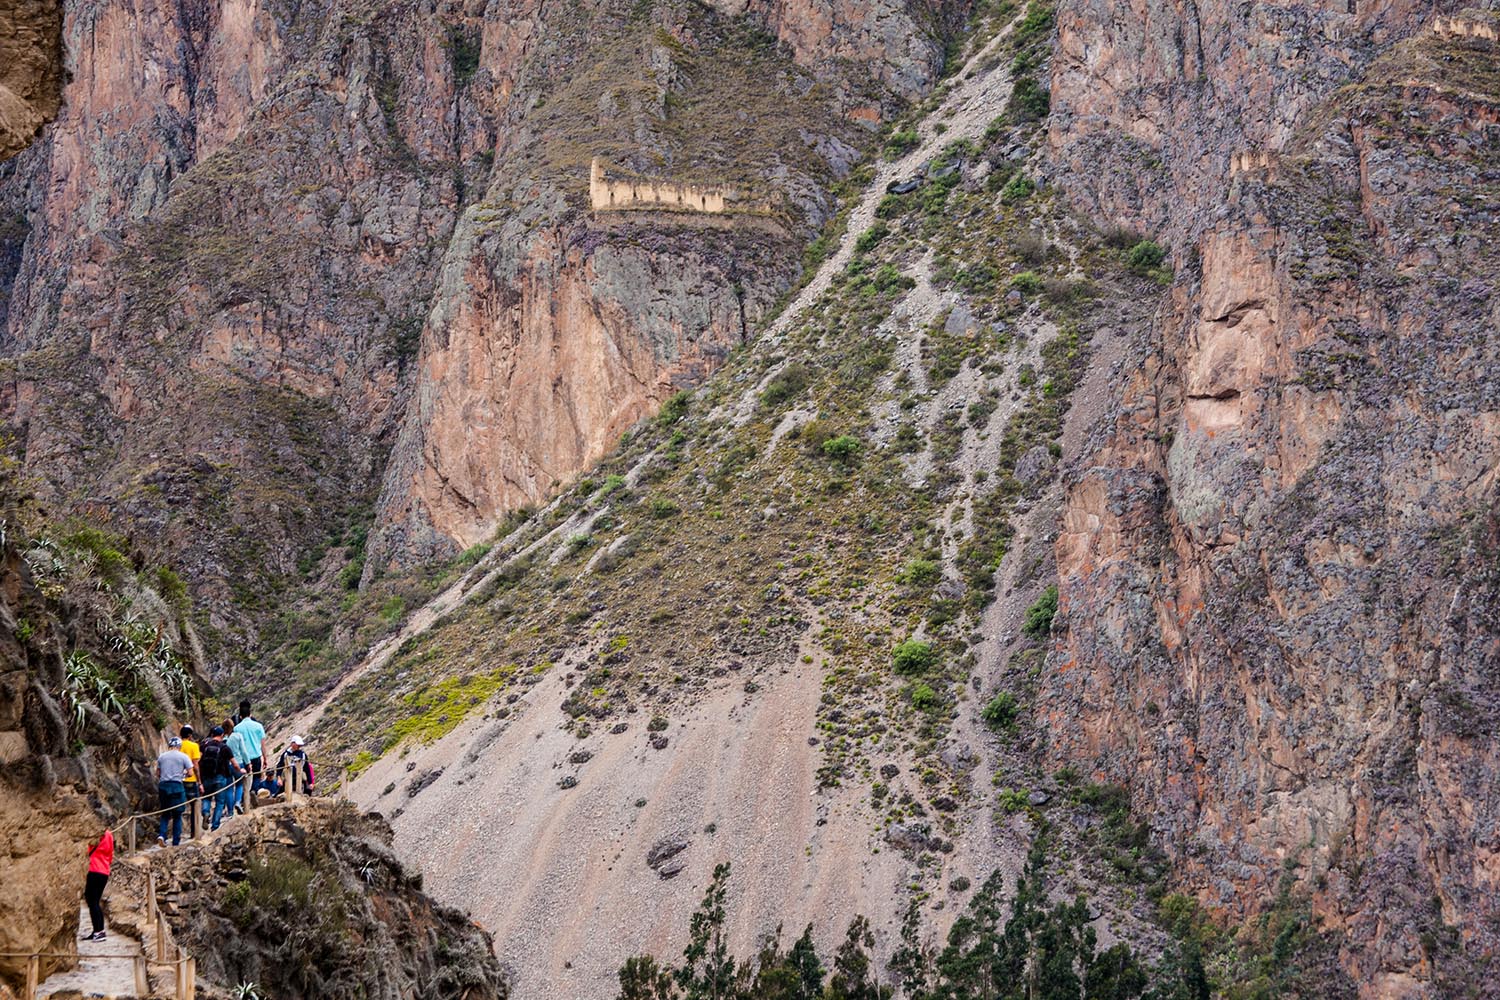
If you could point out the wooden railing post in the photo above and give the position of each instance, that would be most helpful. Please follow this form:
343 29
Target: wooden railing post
161 937
130 837
142 980
150 896
33 976
190 968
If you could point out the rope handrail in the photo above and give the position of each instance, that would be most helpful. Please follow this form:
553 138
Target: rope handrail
247 774
58 954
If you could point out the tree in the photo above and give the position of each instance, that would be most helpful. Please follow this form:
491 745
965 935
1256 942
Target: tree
796 975
642 979
708 970
852 979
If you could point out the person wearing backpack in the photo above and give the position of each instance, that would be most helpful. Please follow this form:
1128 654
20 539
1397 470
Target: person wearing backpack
218 771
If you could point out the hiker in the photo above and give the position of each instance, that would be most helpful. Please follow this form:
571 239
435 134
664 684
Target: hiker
172 769
219 773
291 759
101 855
255 743
240 751
190 784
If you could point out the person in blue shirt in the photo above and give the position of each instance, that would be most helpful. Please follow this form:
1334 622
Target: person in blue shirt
254 735
240 748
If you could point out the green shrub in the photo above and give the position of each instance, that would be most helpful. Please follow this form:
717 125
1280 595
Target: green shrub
923 697
1012 799
474 553
1027 283
1018 188
675 408
888 277
662 508
104 547
890 206
914 656
392 610
920 573
845 448
870 238
611 484
1029 100
1145 256
350 575
789 382
901 142
976 277
1001 711
1035 25
171 588
1039 616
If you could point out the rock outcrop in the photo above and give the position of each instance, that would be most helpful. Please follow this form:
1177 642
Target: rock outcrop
1276 559
31 71
308 901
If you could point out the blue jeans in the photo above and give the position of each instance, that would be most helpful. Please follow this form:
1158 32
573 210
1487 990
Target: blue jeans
172 795
218 791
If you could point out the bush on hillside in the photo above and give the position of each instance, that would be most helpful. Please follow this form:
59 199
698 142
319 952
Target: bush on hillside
1039 616
914 656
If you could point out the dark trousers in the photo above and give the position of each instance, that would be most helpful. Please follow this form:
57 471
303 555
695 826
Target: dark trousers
172 797
93 891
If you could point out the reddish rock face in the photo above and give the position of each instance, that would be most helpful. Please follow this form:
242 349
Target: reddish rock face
270 265
1276 568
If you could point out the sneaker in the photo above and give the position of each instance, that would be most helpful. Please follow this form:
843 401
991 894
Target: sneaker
96 936
161 841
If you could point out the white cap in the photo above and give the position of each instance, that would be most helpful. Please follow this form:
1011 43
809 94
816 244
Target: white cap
295 741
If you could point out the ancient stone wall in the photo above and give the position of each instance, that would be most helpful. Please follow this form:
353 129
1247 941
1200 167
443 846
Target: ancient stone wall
1466 27
608 194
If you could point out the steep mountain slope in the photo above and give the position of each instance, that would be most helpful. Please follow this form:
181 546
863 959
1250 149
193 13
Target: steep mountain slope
275 263
1121 480
1227 643
688 658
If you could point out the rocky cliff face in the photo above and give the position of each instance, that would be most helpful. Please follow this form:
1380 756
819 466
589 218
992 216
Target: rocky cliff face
92 656
1276 562
32 78
275 262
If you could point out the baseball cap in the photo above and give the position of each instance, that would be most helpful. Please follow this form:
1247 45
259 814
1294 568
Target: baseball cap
174 742
295 741
216 731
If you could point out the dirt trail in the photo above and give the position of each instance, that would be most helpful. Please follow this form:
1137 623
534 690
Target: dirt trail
976 100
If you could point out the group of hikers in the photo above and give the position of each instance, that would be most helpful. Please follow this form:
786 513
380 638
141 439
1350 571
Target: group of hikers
207 776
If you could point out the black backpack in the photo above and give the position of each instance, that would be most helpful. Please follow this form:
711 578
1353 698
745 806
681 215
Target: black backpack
215 760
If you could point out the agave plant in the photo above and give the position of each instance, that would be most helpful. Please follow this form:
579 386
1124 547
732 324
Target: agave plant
83 683
245 991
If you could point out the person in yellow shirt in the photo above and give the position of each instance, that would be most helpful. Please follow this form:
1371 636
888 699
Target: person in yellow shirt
190 783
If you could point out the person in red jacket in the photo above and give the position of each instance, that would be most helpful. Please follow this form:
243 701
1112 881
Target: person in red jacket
101 855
